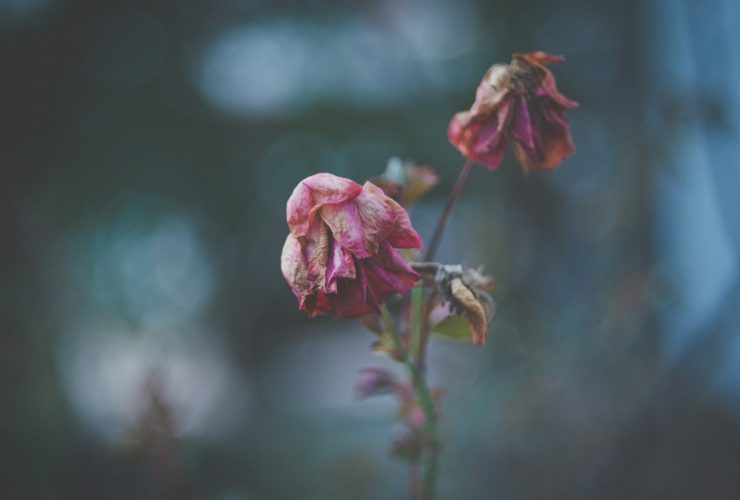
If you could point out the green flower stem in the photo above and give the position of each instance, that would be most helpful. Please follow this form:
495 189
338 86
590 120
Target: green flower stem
416 338
421 352
420 387
419 333
431 444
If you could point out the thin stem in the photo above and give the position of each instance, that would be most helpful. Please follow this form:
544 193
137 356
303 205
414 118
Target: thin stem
421 352
431 444
415 363
419 336
421 390
417 320
457 190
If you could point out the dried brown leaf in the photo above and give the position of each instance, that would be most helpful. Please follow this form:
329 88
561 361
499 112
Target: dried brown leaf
473 310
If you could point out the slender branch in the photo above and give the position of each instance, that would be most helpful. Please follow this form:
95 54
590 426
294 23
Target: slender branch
421 390
416 366
414 359
431 444
417 321
421 354
457 190
419 337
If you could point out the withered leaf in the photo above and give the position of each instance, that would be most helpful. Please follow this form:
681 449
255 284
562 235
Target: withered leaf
473 310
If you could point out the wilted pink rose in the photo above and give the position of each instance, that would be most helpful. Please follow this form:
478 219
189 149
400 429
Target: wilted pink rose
340 256
518 101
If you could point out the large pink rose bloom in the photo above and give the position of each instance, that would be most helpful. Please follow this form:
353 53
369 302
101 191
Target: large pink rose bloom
521 102
340 256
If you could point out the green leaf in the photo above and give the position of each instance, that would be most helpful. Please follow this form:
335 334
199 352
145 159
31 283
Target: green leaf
454 327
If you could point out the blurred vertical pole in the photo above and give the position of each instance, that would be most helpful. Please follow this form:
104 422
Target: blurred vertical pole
690 235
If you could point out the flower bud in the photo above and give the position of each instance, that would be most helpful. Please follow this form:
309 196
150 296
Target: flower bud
406 182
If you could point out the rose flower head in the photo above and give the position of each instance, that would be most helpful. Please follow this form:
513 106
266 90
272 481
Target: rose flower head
517 101
341 254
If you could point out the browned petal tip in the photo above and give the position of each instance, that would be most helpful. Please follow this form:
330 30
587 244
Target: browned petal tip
539 57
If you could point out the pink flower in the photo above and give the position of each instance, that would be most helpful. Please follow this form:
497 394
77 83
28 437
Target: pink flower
518 101
340 256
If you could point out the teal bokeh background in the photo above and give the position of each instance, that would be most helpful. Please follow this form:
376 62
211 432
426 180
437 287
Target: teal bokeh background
149 347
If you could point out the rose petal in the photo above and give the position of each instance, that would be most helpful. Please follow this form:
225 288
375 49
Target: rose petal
457 130
396 227
347 227
313 193
340 265
492 89
377 278
316 246
354 296
316 305
489 143
369 219
551 138
388 272
521 125
547 86
293 266
539 57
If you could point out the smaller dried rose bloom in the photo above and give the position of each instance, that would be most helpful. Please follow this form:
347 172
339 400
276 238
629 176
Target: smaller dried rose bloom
519 101
406 182
465 292
341 255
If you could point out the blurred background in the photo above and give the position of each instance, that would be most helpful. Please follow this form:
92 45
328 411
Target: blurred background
149 347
